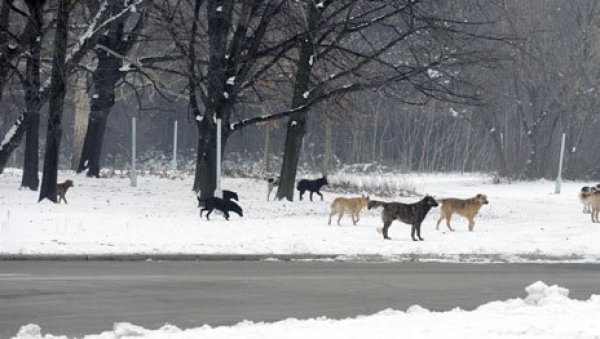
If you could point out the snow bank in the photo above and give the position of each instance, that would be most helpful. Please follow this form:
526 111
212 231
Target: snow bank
546 312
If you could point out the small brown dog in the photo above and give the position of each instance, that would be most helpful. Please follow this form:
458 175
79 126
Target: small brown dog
352 205
467 208
62 189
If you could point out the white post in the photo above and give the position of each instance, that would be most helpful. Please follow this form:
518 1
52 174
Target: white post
174 160
560 164
218 190
133 174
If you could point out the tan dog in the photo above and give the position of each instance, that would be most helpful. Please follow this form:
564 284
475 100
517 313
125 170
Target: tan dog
352 205
62 189
593 199
467 208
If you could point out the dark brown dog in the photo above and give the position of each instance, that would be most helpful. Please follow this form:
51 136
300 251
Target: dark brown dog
412 214
62 189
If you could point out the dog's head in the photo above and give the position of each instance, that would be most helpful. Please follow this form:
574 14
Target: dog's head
324 181
68 183
482 199
430 201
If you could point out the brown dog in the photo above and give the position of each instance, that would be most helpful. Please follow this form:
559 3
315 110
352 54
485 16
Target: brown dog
467 208
62 189
352 205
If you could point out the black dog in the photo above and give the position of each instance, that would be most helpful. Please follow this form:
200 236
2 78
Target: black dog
225 206
311 185
412 214
230 195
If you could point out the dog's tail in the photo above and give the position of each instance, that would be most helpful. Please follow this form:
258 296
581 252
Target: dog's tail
235 208
375 204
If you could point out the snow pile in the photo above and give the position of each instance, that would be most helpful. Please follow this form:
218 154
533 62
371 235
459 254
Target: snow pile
546 312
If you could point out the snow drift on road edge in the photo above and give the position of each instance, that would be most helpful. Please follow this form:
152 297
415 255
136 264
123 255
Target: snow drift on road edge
547 312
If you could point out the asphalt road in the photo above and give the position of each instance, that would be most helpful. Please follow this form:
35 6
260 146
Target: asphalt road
79 297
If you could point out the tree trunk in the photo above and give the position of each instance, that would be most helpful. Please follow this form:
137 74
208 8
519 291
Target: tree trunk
205 180
267 148
55 107
296 126
30 177
92 144
4 37
105 78
80 124
328 145
12 140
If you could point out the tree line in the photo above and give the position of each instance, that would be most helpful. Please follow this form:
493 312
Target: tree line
423 85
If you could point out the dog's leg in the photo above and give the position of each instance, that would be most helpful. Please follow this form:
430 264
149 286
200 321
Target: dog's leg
65 199
357 217
413 231
331 215
386 226
341 212
319 193
311 193
208 214
301 193
226 215
419 232
471 224
442 217
448 217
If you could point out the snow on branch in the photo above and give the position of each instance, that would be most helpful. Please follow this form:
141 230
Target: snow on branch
9 136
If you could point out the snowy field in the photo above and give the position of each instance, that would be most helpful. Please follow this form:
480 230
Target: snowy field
524 221
547 312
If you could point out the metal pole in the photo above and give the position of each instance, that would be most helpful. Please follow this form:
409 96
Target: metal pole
174 161
218 191
560 164
133 174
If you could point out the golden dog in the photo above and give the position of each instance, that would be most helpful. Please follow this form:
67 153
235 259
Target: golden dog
352 205
467 208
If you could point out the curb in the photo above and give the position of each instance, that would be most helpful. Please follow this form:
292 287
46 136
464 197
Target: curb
358 258
165 257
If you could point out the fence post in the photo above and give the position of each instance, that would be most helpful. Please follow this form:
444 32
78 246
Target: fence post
133 173
560 165
174 160
218 190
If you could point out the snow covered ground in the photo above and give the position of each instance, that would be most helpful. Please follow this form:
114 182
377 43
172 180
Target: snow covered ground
547 312
524 221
